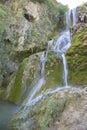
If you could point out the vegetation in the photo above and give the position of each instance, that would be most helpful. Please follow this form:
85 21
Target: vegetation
42 115
46 113
53 73
53 112
17 87
3 18
76 57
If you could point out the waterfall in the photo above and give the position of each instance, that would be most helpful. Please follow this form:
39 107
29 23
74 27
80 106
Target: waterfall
74 16
60 47
35 90
68 19
42 60
40 82
65 70
71 18
48 47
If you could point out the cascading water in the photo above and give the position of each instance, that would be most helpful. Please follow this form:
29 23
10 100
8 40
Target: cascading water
48 47
65 70
74 16
42 60
60 48
40 81
71 18
68 19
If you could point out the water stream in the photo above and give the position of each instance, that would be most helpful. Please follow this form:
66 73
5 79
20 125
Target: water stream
71 18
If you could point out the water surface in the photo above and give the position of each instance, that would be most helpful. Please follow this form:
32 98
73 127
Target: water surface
7 109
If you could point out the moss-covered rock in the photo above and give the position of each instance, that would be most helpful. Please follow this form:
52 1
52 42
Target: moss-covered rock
77 54
20 83
17 87
53 73
26 77
58 111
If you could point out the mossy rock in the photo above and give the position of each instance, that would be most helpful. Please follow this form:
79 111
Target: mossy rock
58 110
17 87
76 56
25 77
42 115
53 73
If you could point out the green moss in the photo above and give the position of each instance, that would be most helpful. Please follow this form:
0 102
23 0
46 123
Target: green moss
17 87
53 112
55 76
52 34
76 56
48 111
53 73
